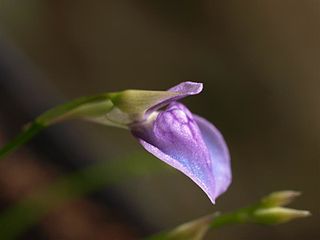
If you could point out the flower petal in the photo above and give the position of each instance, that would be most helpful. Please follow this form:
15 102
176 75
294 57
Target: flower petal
175 138
219 152
183 90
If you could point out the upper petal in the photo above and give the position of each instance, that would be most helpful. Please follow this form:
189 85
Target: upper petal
175 138
181 90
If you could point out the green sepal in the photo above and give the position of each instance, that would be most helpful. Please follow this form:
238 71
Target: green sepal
85 107
277 215
279 198
132 105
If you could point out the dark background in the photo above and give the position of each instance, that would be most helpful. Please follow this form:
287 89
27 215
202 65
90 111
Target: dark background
260 65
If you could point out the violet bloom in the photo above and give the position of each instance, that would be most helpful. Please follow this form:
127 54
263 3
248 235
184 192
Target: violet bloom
164 127
185 141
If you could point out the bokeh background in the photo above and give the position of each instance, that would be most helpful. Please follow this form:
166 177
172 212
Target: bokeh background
260 65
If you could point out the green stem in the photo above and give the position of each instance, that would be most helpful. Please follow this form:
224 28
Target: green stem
226 219
242 215
33 129
78 108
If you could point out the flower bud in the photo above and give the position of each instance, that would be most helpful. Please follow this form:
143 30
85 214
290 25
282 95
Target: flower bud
277 215
280 198
194 230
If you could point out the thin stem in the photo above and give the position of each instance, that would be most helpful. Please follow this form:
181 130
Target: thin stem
33 129
242 215
78 108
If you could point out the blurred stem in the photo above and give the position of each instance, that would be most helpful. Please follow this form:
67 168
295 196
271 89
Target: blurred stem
27 212
81 107
27 134
242 215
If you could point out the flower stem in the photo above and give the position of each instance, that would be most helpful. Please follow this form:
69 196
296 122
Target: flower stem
27 134
79 108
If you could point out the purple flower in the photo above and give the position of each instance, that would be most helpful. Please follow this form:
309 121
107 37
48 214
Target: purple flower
185 141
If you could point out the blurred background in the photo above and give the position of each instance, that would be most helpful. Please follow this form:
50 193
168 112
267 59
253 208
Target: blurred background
260 65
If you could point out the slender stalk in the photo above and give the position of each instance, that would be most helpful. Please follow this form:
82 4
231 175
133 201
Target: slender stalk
78 108
33 129
242 215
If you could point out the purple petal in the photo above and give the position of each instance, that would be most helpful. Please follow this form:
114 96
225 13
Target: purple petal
219 154
175 138
183 90
187 88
